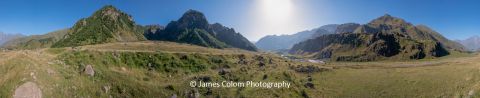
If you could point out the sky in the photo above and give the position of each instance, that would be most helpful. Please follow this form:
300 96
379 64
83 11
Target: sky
455 19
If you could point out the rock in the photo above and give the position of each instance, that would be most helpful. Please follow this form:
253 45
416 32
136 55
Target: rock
261 64
310 69
28 90
193 94
150 67
106 88
223 71
89 70
310 85
174 96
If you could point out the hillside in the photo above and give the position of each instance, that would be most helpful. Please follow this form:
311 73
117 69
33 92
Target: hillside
106 25
383 38
193 28
472 43
36 41
140 69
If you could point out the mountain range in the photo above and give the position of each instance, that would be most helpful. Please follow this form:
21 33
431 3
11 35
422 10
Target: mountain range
193 28
36 41
112 25
386 37
283 42
5 37
472 43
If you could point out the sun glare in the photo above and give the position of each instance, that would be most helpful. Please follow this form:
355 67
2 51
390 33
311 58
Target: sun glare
276 10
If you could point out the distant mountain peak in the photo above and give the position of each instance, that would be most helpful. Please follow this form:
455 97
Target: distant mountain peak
387 15
109 11
193 19
472 43
389 20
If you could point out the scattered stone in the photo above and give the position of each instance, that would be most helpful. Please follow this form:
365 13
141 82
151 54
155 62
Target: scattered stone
32 74
106 89
261 64
150 67
28 90
124 69
174 96
242 60
193 94
310 85
116 55
203 78
223 71
89 70
310 69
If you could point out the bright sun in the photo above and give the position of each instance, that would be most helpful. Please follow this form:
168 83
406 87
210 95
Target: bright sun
276 10
274 17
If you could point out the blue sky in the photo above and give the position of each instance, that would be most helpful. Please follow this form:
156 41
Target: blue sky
455 19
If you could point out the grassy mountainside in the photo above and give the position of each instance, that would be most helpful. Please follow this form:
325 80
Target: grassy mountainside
145 69
36 41
193 28
106 25
160 69
386 37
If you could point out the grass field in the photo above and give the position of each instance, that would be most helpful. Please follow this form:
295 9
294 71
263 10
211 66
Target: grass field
164 69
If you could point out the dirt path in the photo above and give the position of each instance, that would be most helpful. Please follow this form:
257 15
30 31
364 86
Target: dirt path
28 90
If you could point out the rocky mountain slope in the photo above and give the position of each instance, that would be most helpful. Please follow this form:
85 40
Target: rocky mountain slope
106 25
193 28
472 43
279 42
386 37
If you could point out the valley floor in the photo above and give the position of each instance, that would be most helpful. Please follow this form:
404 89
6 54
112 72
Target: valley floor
127 70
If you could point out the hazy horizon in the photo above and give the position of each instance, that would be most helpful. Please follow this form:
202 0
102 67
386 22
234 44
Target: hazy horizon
252 18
